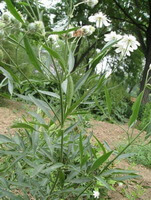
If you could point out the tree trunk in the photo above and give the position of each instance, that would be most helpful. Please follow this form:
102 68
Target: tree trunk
142 84
147 64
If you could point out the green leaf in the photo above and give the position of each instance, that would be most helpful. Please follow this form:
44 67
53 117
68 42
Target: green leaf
41 104
5 139
127 155
108 100
38 169
100 144
13 10
52 94
37 117
70 91
81 180
103 52
100 161
71 61
64 85
100 179
49 143
81 148
31 54
10 79
10 195
118 171
52 168
55 55
82 80
22 125
63 32
124 178
35 140
135 109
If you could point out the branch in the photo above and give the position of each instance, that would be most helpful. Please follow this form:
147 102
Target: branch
129 17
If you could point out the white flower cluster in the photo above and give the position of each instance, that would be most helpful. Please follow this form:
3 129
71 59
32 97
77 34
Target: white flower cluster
53 38
125 45
91 3
100 19
36 27
8 18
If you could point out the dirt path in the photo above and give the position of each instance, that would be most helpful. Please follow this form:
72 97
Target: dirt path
11 111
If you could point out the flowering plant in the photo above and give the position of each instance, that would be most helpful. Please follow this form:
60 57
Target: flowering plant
52 156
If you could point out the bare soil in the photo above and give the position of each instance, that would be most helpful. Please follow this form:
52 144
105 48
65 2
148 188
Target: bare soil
11 111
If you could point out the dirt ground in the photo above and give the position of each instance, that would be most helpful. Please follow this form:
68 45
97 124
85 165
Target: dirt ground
11 111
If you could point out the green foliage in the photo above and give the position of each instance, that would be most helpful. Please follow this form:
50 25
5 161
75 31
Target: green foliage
142 154
146 119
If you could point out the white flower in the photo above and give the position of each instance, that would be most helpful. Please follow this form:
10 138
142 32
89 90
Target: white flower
36 26
53 38
127 45
7 16
98 50
91 3
88 29
100 19
120 184
112 36
96 194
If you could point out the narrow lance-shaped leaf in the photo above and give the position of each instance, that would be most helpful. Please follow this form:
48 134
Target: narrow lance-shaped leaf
135 109
70 91
71 61
103 52
31 54
100 161
52 94
81 148
55 55
13 10
108 100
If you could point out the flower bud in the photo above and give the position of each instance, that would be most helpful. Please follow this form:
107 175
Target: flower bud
6 17
37 26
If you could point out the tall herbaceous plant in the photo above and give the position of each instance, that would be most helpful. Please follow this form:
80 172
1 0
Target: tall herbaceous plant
51 156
